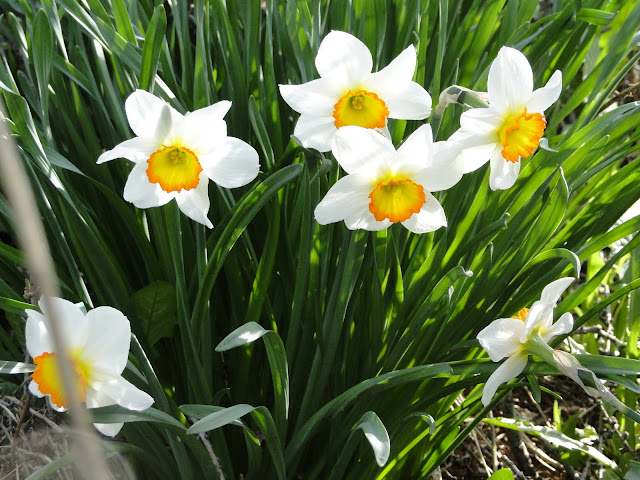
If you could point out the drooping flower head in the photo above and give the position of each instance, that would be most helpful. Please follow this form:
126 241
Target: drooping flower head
98 344
347 93
385 186
511 128
528 332
176 155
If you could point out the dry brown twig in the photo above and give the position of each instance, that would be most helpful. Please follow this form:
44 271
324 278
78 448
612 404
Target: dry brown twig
34 244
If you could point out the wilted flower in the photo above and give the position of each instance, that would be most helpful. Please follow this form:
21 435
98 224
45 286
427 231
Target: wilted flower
385 186
527 333
176 155
511 128
347 93
98 344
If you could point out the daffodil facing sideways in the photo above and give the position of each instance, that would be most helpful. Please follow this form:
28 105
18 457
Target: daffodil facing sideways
348 93
511 127
176 155
527 333
98 347
384 186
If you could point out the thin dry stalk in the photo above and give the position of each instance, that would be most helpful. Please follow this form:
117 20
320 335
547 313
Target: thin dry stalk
31 236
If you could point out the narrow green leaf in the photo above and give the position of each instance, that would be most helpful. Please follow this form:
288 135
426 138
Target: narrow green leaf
263 418
51 468
276 353
152 47
123 22
55 158
247 333
339 403
595 16
240 217
261 132
377 436
12 368
220 418
42 51
201 411
15 306
118 414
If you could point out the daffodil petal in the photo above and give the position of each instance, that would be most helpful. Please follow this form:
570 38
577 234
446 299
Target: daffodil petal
70 319
501 338
56 407
510 80
109 429
475 150
365 220
33 388
410 103
317 97
143 194
481 122
394 76
204 137
540 317
145 111
135 149
37 335
503 173
205 128
124 393
510 369
194 203
562 326
544 97
107 346
97 399
347 198
444 171
343 57
430 217
315 132
214 112
416 152
233 164
362 150
552 292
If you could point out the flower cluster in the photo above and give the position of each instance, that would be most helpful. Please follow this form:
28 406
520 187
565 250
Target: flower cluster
345 111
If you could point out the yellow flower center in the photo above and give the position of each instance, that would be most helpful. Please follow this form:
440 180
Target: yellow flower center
396 199
360 108
174 168
520 134
522 314
47 376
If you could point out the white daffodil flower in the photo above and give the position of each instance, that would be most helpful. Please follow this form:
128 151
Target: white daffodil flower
511 128
527 333
98 347
176 155
347 93
385 186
